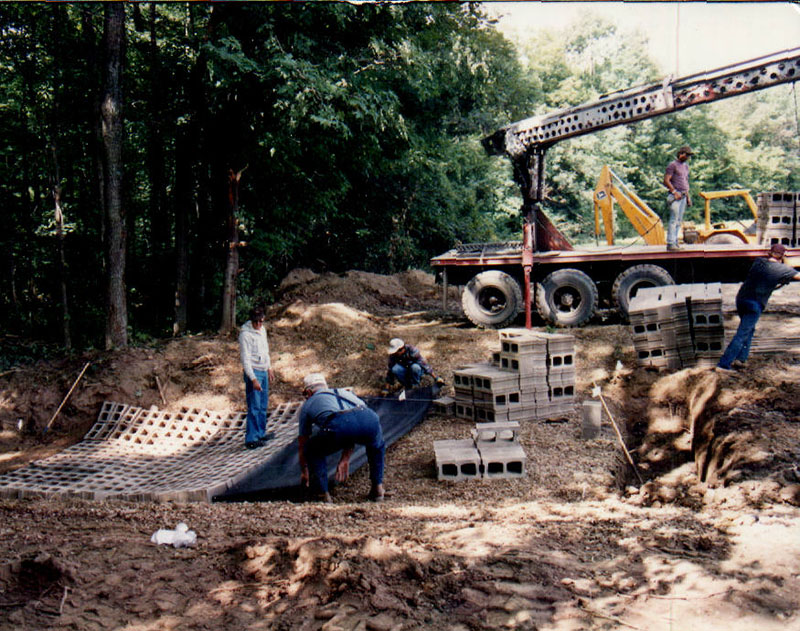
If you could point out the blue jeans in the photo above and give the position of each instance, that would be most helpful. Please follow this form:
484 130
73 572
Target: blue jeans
256 407
410 376
343 430
739 349
677 208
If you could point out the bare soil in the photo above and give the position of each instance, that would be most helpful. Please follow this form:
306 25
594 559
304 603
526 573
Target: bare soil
708 539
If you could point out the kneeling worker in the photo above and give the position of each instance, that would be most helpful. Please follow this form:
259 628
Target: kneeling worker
333 420
407 366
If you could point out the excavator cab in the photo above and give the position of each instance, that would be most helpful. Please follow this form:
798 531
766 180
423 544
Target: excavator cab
739 232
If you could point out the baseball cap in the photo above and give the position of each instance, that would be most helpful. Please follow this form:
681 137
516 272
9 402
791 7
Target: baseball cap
314 381
686 149
395 345
778 249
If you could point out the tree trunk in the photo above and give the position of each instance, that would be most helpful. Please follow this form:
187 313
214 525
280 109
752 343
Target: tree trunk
159 218
159 209
91 54
111 112
183 201
62 261
188 147
232 258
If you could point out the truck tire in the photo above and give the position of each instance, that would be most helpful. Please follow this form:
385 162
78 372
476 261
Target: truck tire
566 297
724 238
629 282
492 299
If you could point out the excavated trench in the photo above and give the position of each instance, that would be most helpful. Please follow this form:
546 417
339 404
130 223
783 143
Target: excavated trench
683 430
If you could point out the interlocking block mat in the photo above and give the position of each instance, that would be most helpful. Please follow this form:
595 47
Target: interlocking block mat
149 455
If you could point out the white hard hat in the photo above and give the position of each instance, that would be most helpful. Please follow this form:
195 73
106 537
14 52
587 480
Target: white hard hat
395 345
314 381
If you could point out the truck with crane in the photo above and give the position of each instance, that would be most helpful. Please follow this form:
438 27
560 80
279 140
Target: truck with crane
568 284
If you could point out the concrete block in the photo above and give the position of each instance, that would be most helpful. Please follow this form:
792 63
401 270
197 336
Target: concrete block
457 460
502 460
507 432
445 406
464 410
524 365
592 418
523 413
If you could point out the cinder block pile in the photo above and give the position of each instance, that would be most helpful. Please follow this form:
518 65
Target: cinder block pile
775 332
492 452
532 377
677 326
778 220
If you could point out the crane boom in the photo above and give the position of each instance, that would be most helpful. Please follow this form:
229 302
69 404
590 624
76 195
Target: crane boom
538 133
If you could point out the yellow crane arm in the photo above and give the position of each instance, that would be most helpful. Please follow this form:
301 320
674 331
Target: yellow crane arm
611 188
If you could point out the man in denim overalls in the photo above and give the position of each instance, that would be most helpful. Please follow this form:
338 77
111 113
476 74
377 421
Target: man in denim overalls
334 420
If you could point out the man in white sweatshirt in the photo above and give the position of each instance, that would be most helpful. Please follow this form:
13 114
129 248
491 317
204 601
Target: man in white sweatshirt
254 351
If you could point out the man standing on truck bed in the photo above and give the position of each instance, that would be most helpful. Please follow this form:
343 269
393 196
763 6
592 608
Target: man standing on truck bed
676 179
764 276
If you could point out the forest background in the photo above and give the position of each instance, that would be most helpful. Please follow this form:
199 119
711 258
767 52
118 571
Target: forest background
165 165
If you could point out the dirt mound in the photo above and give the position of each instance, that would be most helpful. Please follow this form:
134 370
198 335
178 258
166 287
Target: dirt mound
380 295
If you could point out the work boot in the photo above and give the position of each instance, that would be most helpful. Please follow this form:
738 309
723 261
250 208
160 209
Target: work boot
378 493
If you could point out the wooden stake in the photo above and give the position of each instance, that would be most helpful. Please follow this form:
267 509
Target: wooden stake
619 435
50 422
161 391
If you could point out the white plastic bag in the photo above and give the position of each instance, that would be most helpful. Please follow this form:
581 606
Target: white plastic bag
181 537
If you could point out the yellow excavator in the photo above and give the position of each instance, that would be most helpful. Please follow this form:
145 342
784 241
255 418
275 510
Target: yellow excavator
648 224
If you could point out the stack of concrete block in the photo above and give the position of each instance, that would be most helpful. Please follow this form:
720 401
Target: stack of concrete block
708 324
775 333
778 220
677 326
561 373
658 331
532 377
492 452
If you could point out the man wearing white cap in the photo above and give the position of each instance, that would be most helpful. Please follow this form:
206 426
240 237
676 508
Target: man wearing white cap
406 365
334 420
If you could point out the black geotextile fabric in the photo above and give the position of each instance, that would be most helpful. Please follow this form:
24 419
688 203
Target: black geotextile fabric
279 477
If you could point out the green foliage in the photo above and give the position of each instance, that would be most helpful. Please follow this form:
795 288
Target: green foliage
357 130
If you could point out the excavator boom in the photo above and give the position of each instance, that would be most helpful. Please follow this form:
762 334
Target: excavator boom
611 188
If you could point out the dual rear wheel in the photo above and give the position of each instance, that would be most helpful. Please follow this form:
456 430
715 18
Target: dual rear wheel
565 298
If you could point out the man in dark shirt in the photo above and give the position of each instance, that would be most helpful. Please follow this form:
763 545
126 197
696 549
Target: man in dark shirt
407 366
676 179
764 277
